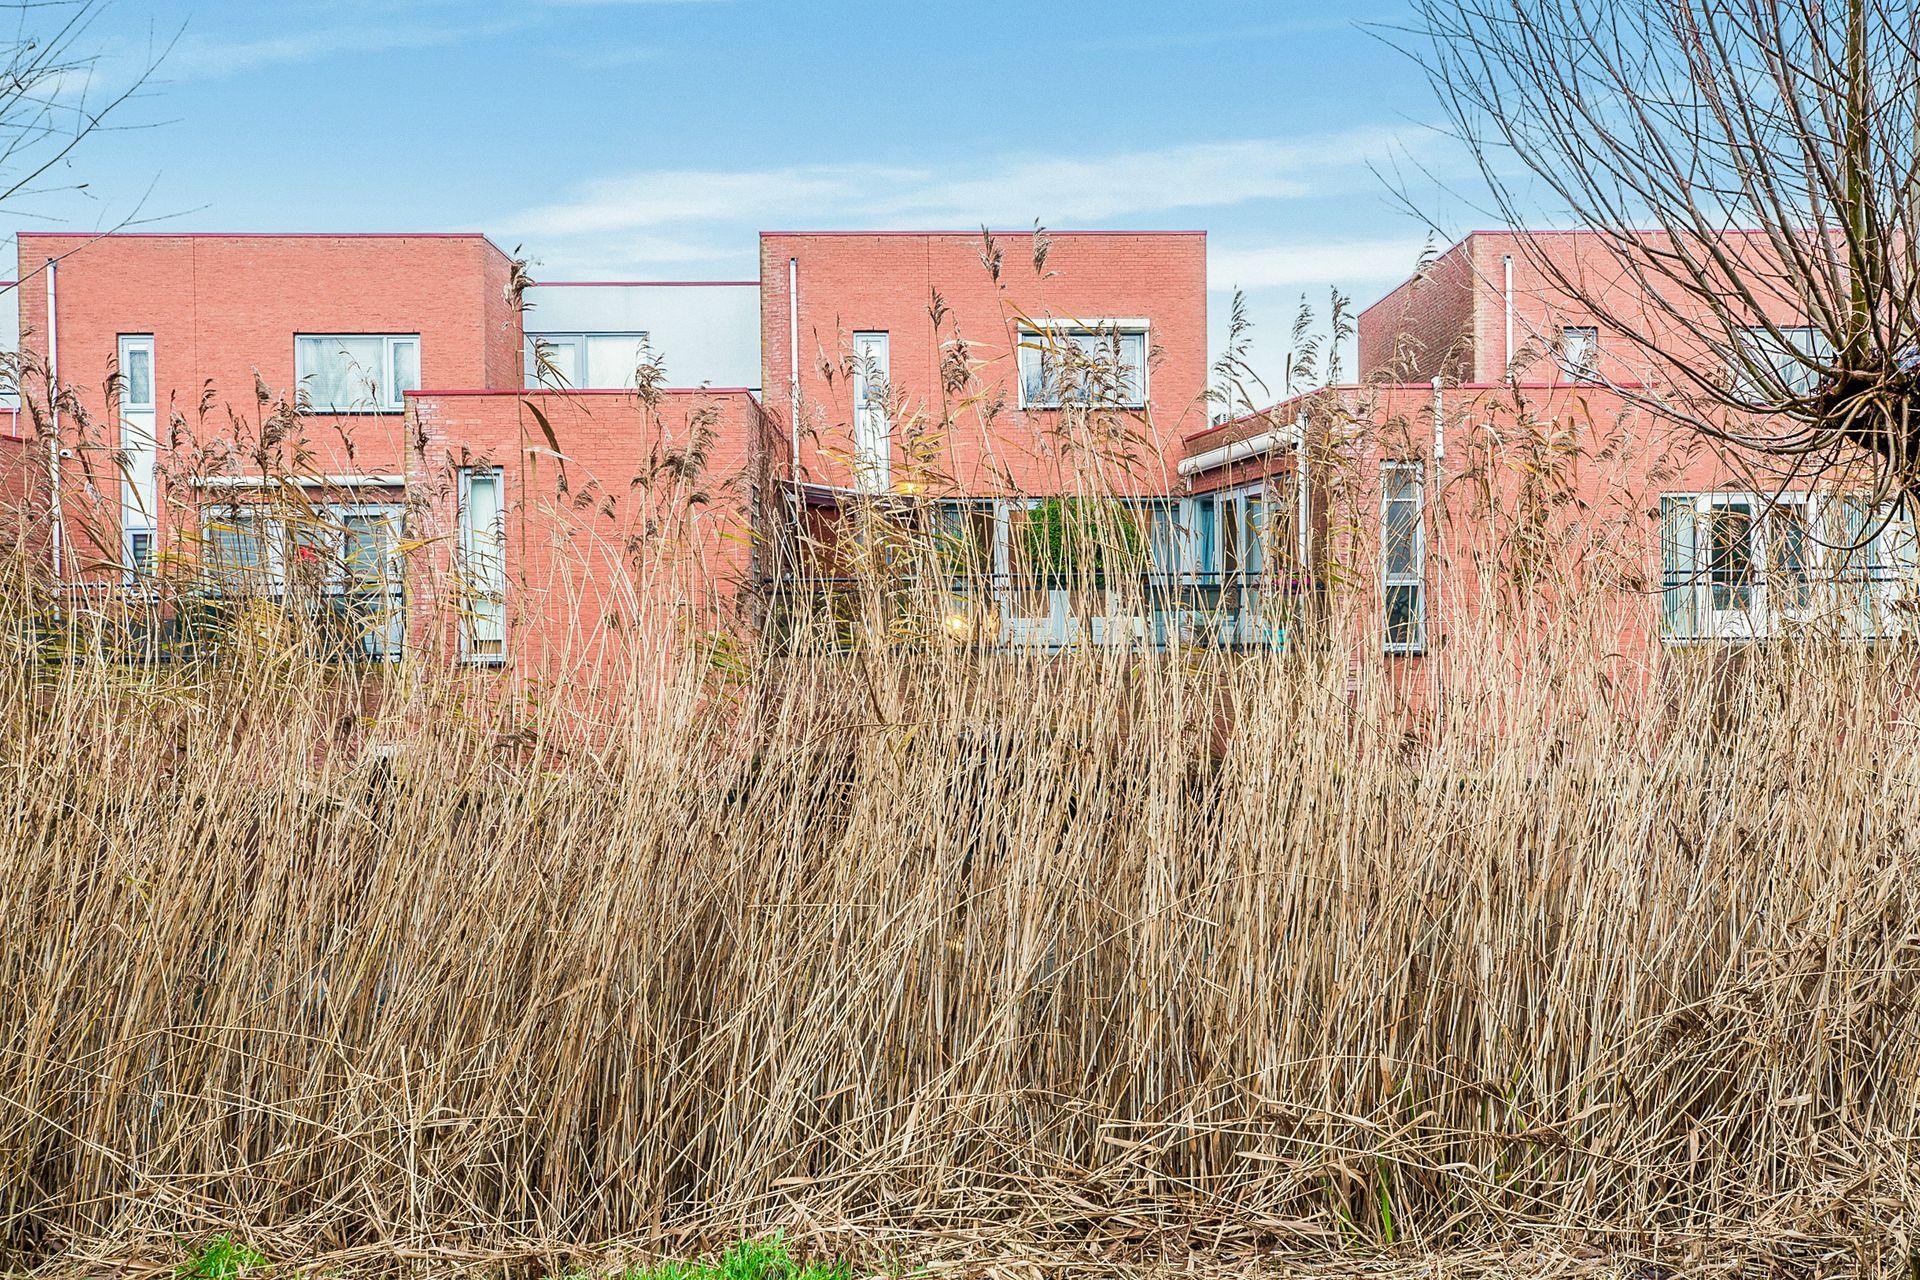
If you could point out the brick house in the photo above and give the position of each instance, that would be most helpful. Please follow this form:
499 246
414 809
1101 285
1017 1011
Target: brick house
1499 445
496 468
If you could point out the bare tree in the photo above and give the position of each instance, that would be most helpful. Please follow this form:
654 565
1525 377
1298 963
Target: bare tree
1753 170
51 99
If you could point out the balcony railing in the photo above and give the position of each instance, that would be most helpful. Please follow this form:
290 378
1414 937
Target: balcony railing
135 624
1153 610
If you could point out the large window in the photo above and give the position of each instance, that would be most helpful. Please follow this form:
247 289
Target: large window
483 564
1786 360
1403 557
872 442
357 373
139 492
585 361
1742 565
1103 362
337 562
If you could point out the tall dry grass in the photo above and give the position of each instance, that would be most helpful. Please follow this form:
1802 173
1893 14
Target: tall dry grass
1112 954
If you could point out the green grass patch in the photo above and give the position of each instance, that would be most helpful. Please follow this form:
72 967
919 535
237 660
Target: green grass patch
222 1258
748 1260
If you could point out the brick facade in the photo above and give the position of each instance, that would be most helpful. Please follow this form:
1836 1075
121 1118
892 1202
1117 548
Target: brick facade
641 521
223 311
973 436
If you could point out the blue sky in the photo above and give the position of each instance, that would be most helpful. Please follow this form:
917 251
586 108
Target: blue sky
653 138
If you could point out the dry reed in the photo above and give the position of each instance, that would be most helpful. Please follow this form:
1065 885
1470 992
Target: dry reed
1114 955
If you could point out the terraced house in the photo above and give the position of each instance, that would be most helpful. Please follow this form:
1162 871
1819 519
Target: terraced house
425 450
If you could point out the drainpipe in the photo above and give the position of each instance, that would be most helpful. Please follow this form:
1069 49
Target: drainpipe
1302 494
793 407
53 407
1507 294
793 364
1428 508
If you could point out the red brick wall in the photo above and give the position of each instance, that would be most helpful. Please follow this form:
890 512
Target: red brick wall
221 307
1458 309
1425 328
22 488
620 530
886 281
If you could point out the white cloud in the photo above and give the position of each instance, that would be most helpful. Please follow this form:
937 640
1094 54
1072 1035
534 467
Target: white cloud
1002 190
196 57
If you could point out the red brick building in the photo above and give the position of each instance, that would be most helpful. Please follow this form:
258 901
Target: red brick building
1499 449
451 458
454 458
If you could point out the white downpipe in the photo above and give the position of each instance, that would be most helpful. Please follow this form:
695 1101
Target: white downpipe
1430 545
1506 370
1302 495
793 367
54 506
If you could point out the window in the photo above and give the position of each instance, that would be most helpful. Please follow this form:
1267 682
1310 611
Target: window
1170 540
1101 363
241 548
139 493
357 373
586 361
139 553
1788 361
1403 557
1742 565
965 535
483 564
871 442
1580 353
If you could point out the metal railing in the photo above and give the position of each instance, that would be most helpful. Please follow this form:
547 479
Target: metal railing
1009 610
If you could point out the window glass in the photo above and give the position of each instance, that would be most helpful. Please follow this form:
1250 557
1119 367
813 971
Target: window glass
483 548
561 357
1679 566
1580 352
1785 361
140 551
585 361
1402 552
406 367
612 360
1079 364
356 373
1790 557
138 372
366 550
1403 618
1730 563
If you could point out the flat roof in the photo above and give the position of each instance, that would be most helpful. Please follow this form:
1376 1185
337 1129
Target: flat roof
974 231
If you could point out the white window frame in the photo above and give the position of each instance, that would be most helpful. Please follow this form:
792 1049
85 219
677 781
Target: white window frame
482 573
1416 579
1879 571
1572 369
139 448
577 340
391 397
1037 336
872 430
1763 347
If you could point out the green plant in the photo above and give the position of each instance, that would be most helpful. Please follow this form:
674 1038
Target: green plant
222 1258
748 1260
1067 537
